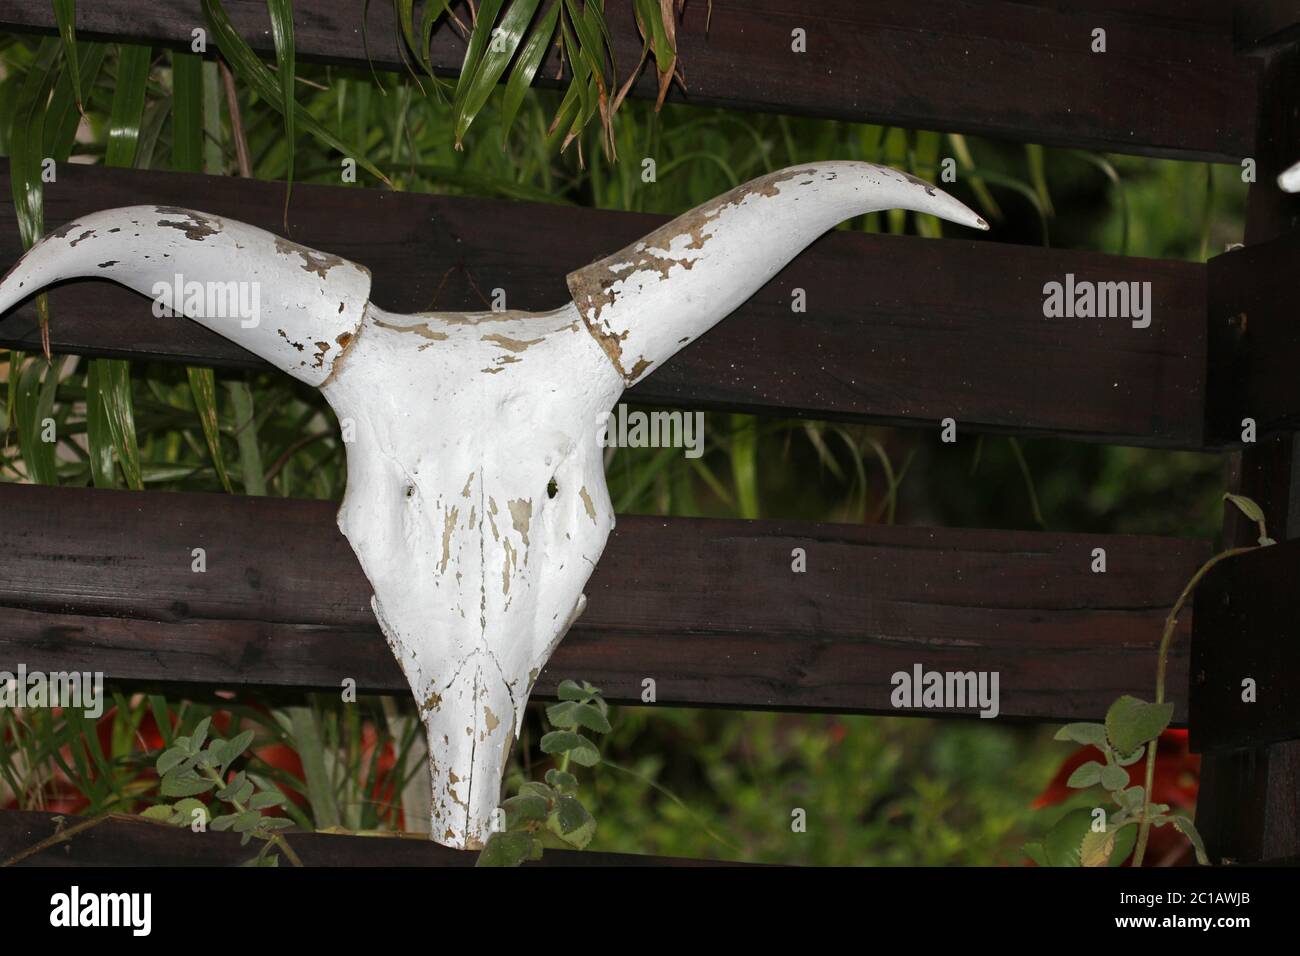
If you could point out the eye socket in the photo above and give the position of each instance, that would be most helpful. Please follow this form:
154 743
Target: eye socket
552 488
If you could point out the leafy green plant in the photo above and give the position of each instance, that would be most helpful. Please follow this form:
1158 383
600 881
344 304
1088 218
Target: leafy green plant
552 807
189 770
521 32
1103 837
1095 837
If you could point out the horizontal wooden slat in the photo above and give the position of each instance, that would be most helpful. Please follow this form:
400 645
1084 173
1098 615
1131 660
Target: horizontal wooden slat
897 329
1246 613
1254 339
709 609
1264 23
1165 85
122 842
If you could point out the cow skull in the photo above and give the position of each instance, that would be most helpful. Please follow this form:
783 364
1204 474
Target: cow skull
476 499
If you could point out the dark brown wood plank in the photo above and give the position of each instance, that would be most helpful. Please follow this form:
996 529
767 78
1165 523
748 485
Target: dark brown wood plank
1246 614
1262 23
1248 807
1167 85
118 842
709 609
897 329
1210 17
1254 339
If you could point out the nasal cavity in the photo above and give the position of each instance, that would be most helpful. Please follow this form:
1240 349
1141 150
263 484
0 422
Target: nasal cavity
552 489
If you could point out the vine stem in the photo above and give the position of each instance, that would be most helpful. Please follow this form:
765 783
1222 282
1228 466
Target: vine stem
273 837
68 833
1166 639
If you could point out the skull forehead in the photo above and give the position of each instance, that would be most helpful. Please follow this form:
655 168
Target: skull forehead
525 389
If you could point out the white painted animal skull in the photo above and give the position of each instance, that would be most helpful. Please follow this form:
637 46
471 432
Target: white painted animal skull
476 499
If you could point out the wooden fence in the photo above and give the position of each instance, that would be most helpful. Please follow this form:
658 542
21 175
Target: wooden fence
915 331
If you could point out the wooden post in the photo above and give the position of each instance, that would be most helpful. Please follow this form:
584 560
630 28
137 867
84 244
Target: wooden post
1249 802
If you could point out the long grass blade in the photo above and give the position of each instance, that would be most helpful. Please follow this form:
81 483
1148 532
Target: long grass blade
744 464
63 115
1038 176
505 43
187 156
26 160
203 386
961 150
113 396
128 105
257 75
250 455
480 39
34 407
110 414
99 434
282 35
65 14
187 112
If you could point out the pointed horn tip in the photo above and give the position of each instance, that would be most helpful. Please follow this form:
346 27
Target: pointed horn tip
963 215
954 210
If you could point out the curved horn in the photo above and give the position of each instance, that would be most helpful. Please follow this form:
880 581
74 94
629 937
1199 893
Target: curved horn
719 254
293 306
1289 179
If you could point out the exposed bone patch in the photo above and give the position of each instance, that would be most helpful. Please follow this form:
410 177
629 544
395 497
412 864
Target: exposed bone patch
908 177
448 527
196 226
587 503
514 345
509 562
521 513
611 343
424 331
284 335
476 318
63 231
312 261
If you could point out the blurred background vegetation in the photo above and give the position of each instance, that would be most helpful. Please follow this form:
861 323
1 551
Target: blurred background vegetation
876 790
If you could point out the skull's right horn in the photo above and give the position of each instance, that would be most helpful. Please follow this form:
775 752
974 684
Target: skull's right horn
309 304
645 302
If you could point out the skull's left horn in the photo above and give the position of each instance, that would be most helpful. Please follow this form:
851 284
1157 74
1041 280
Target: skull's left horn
649 300
293 306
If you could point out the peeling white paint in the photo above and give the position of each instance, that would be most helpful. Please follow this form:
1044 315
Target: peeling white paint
472 607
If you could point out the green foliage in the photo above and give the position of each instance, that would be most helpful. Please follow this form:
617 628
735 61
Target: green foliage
1076 839
1131 722
1254 512
553 808
188 769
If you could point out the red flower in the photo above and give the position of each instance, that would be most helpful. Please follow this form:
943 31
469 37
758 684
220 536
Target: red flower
1176 780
